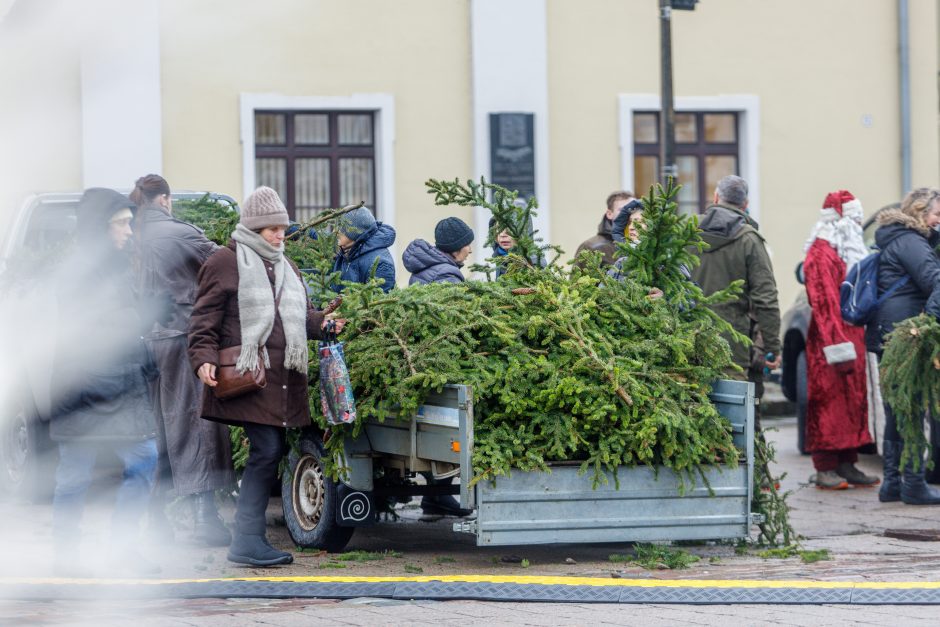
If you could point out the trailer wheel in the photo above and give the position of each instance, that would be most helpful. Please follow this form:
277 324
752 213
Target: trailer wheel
308 497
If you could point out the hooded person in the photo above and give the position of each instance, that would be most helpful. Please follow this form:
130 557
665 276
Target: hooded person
251 297
736 251
102 373
195 455
603 242
362 241
440 263
837 397
907 238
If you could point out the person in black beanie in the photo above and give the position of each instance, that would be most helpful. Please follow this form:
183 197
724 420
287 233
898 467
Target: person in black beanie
440 263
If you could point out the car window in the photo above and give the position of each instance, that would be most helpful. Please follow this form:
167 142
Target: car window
871 225
51 227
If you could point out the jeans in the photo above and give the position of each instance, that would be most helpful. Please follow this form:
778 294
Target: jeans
267 445
73 476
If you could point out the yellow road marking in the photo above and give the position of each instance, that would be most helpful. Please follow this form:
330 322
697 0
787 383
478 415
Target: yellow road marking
522 580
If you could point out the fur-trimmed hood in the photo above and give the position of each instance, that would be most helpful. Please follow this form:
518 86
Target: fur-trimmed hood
896 216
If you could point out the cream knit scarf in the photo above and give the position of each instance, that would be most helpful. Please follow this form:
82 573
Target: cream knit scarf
256 302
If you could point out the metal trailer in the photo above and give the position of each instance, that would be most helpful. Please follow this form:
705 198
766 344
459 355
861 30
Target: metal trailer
560 506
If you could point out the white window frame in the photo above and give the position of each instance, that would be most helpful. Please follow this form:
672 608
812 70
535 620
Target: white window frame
382 105
746 105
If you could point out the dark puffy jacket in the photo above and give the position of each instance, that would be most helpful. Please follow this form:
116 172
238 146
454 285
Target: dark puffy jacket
355 264
102 369
429 264
907 249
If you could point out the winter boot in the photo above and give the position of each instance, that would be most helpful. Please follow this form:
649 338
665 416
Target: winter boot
255 551
829 480
443 505
856 477
209 529
891 486
914 488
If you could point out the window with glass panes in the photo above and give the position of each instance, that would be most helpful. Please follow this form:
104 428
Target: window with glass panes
706 150
316 160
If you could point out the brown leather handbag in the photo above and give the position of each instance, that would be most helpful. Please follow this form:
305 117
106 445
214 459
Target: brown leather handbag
232 384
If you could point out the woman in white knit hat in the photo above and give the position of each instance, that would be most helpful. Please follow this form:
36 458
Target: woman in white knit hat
252 296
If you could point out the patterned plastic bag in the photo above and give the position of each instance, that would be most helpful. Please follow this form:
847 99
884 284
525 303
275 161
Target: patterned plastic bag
336 395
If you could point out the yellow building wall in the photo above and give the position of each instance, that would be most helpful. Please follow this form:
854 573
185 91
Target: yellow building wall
40 105
817 67
416 50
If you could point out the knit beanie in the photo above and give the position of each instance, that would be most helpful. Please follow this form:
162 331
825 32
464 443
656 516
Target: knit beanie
263 208
452 234
357 223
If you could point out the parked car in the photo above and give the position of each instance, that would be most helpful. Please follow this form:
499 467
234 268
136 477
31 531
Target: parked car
42 230
794 327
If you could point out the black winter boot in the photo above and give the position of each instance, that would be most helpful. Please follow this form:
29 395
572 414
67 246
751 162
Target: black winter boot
255 551
914 488
891 485
209 529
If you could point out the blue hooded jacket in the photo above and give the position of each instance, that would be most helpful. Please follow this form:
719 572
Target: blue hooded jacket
355 265
429 264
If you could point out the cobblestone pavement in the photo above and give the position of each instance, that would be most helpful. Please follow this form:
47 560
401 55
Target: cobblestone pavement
850 524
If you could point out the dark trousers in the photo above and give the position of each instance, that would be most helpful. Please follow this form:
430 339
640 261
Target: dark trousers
267 445
830 460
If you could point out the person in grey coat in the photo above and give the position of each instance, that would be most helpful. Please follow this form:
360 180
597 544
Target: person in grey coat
195 455
440 263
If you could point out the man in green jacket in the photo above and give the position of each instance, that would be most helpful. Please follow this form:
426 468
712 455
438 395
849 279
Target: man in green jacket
737 251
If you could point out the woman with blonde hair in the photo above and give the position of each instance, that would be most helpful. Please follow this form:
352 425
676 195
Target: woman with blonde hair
907 239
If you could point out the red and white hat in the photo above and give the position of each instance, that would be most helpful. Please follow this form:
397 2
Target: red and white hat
843 203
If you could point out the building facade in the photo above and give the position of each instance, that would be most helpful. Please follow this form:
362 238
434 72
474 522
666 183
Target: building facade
333 102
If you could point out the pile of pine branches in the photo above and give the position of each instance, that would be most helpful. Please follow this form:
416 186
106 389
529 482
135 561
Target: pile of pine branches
566 363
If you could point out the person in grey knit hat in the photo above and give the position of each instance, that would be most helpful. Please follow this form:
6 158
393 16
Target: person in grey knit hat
252 297
263 208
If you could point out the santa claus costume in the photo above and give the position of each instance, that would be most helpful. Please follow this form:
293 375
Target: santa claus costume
837 401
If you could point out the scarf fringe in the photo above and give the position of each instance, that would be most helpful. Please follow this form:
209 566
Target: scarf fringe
295 358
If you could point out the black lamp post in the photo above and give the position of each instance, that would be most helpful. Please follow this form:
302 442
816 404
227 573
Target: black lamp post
667 150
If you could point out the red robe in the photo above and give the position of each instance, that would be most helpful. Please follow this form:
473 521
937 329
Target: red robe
837 403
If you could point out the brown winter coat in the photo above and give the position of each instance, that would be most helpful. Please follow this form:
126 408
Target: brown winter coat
603 243
216 324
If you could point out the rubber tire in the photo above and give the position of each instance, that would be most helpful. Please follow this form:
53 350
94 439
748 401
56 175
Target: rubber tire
27 457
315 528
801 400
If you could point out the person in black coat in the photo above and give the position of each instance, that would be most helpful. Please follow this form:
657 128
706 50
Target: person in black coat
907 239
440 263
102 372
